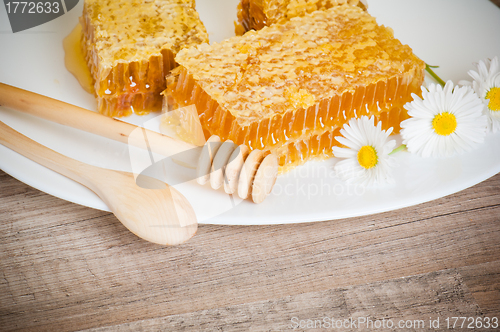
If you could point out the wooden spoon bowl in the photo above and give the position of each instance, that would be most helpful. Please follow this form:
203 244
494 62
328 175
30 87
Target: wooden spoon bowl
162 216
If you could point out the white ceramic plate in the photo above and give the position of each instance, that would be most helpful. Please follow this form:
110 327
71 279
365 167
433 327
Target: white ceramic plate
449 33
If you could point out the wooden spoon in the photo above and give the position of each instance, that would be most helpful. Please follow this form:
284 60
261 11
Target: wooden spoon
211 165
162 216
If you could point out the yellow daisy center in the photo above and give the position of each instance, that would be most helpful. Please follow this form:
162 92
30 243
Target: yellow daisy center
494 96
444 124
367 157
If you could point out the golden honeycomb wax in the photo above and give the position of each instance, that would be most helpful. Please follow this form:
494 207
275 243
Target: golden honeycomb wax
288 88
256 14
130 46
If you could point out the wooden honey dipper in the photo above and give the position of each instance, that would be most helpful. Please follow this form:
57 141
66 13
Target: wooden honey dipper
241 171
220 163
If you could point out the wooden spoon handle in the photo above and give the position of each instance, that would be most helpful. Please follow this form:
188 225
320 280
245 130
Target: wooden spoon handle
83 119
43 155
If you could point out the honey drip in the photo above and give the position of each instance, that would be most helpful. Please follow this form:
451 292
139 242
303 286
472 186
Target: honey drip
184 124
118 105
74 60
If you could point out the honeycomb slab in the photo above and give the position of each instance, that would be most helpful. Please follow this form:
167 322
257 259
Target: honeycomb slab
288 88
130 46
256 14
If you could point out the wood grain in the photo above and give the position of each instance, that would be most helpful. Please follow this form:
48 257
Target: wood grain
483 281
67 267
432 296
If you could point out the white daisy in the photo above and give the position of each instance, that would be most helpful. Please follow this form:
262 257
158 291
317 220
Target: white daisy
367 152
486 83
444 122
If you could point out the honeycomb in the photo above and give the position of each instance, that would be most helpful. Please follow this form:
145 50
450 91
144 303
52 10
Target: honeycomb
256 14
141 103
130 46
288 88
319 146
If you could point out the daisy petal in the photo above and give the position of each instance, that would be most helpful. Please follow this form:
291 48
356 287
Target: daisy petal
484 79
359 133
462 110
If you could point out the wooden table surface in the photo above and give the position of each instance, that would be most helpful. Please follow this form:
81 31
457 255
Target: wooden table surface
65 267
